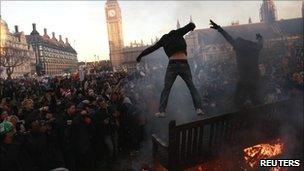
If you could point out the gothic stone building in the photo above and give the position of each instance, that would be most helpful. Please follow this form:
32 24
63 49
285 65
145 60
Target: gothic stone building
115 35
52 56
16 42
208 44
279 35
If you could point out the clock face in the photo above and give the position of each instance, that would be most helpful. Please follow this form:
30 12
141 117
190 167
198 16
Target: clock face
111 13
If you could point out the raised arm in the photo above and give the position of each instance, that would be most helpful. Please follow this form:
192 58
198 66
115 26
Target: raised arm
184 30
223 32
151 49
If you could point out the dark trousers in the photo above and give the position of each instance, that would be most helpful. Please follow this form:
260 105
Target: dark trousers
181 68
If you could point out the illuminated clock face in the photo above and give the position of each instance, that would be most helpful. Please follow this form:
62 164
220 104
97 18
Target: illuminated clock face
111 13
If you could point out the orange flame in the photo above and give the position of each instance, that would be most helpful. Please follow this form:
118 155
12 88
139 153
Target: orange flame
262 151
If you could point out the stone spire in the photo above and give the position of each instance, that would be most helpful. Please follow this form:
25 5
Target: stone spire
268 12
177 25
67 41
249 20
54 37
156 38
16 29
60 39
45 33
34 32
302 8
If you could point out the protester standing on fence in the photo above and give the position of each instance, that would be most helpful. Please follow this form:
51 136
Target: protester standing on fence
247 59
175 48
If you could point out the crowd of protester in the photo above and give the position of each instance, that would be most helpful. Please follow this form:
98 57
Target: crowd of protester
280 74
84 124
63 122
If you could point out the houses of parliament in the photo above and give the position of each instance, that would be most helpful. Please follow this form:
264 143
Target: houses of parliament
205 44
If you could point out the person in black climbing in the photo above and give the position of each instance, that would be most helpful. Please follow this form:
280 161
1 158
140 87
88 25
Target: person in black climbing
247 60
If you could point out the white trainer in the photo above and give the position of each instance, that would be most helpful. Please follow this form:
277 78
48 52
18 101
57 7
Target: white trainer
200 112
160 114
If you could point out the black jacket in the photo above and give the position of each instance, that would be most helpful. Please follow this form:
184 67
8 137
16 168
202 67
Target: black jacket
247 56
172 42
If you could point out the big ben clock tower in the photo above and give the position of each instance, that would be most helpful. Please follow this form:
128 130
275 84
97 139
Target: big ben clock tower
115 36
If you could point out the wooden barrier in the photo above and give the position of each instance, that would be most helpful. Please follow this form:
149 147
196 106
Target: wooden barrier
202 140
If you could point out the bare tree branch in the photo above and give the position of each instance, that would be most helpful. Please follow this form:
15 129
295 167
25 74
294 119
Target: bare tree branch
12 57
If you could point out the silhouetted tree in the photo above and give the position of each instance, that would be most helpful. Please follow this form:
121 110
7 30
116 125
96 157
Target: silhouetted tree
11 57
